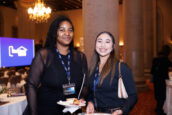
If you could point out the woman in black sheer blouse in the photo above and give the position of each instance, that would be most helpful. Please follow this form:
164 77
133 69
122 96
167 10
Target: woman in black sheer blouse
53 69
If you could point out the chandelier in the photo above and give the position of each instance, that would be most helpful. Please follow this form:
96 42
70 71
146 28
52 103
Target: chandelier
39 13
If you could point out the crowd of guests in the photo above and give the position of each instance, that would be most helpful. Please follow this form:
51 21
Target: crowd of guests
13 78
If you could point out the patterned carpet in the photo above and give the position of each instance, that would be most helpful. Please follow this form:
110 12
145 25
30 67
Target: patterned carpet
146 102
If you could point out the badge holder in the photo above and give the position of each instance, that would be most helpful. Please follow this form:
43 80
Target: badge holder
69 89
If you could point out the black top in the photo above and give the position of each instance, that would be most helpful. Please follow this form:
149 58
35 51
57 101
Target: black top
160 66
106 95
46 77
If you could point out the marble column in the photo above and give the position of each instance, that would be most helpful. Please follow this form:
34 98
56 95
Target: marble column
133 40
98 16
148 36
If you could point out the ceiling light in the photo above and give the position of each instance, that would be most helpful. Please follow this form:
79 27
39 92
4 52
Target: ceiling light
39 13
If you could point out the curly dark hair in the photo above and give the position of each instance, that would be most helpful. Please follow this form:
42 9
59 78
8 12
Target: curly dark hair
52 32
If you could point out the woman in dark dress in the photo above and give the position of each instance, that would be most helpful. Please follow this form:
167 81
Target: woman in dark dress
54 70
103 80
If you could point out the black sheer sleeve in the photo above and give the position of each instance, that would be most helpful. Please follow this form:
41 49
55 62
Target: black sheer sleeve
80 58
33 81
84 64
85 71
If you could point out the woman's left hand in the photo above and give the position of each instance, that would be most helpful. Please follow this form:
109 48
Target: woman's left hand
117 112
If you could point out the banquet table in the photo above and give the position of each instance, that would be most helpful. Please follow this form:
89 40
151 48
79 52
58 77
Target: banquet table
13 105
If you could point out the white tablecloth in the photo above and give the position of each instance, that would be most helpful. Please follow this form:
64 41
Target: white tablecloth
16 105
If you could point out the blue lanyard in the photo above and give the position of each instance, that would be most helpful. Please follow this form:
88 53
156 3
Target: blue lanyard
67 69
96 78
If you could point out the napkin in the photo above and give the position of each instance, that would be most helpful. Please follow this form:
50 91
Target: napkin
71 109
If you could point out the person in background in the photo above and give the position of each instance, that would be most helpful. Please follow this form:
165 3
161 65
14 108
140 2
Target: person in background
159 71
55 70
103 80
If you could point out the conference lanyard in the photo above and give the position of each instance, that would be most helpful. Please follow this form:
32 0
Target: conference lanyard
67 69
96 78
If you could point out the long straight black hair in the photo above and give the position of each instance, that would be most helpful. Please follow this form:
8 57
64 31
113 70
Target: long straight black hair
110 63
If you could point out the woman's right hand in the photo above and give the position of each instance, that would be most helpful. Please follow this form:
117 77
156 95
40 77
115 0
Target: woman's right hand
90 108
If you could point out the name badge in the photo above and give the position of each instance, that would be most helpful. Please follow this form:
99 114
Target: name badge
69 89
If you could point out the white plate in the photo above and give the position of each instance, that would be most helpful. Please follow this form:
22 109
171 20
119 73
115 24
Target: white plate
98 114
69 104
94 114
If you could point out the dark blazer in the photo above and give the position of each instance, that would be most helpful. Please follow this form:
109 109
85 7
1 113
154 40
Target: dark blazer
106 95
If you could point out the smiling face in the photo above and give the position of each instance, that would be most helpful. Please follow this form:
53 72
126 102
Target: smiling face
104 45
64 33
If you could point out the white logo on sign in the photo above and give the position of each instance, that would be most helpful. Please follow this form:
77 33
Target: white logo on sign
21 51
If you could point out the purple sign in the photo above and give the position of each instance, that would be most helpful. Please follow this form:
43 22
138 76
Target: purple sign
16 52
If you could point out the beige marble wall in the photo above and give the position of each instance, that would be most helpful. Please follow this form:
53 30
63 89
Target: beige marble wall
26 28
134 40
98 16
165 8
148 35
9 19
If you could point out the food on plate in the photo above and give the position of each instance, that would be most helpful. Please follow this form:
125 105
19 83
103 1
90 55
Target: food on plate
70 100
74 101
